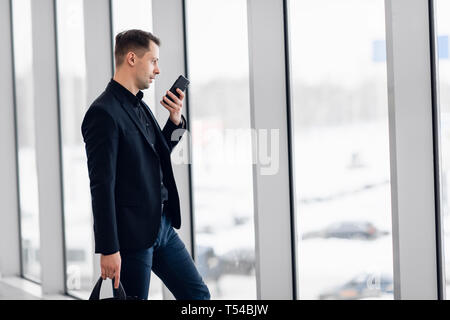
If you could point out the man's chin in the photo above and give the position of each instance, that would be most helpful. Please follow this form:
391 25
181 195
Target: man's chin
144 86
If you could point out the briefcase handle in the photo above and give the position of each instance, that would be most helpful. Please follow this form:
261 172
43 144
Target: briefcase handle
118 293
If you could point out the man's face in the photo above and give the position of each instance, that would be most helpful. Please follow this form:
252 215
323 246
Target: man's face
146 67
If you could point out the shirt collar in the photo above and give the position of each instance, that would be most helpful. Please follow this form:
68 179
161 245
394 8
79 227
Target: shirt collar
124 92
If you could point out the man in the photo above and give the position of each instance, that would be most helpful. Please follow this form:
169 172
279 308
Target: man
135 200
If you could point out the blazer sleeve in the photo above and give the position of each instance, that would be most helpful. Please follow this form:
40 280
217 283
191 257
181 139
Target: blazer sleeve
100 134
173 133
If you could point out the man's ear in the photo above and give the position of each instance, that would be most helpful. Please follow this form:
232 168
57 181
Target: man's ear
132 58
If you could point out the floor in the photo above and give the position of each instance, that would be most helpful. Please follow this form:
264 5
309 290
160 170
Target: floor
8 292
16 288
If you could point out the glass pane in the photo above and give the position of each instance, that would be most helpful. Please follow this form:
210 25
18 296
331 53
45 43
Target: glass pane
77 201
137 14
28 188
443 33
342 149
221 142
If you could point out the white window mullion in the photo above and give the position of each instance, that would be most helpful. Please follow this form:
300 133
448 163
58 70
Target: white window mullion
274 268
9 225
48 153
411 149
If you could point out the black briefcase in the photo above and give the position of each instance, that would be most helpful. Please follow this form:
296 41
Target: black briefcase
118 294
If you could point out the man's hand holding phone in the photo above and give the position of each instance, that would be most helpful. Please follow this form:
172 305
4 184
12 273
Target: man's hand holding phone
174 106
173 99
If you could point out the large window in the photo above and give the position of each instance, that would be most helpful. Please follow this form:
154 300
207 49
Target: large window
137 14
28 187
443 34
341 149
221 141
73 104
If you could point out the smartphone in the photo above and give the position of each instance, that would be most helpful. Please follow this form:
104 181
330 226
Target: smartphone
181 83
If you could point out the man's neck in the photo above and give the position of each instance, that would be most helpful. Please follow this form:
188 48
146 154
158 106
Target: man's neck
126 82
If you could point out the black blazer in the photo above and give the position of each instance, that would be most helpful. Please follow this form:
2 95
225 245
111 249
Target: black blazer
124 174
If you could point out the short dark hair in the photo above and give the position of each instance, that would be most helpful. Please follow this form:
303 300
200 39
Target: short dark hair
132 40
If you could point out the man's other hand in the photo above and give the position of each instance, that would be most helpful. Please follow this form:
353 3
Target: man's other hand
110 266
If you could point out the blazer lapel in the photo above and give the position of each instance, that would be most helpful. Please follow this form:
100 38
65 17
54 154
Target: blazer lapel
136 121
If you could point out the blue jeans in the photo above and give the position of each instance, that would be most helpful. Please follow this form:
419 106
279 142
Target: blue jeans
170 261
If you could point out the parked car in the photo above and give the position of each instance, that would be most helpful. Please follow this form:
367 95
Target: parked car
364 285
348 230
238 261
208 264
